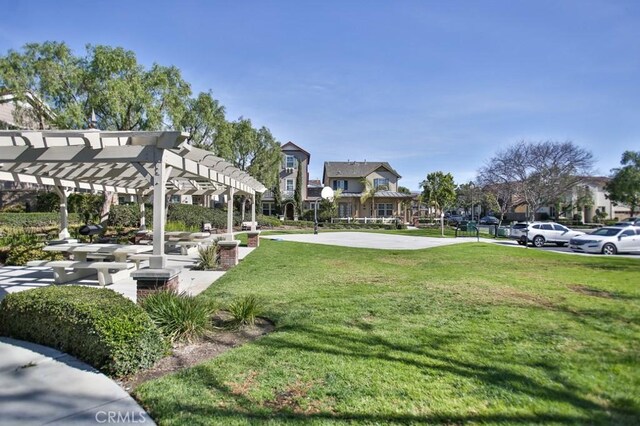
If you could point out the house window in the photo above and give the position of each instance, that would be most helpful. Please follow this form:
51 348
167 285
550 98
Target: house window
381 182
289 186
384 209
341 184
267 208
175 199
290 161
344 210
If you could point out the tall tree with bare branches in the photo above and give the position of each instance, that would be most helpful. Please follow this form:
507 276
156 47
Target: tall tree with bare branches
539 173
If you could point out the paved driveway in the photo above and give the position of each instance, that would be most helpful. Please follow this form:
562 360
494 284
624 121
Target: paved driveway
372 240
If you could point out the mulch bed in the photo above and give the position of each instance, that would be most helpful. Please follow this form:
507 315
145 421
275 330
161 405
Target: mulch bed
187 355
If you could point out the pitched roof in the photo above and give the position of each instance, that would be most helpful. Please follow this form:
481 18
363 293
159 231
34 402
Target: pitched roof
293 147
355 169
379 194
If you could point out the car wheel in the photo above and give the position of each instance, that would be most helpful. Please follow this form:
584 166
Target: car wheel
538 241
609 249
522 241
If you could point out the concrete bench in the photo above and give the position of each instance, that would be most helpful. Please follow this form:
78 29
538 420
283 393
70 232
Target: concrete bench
103 269
137 258
186 245
33 263
246 226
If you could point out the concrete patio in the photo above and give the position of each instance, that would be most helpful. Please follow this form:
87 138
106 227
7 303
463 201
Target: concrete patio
19 278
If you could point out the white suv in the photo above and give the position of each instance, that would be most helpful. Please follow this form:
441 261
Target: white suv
540 233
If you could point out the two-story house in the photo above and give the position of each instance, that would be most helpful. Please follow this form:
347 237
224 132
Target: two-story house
355 178
293 159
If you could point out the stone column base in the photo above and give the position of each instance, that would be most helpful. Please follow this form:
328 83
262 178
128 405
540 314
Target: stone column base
150 280
253 239
228 254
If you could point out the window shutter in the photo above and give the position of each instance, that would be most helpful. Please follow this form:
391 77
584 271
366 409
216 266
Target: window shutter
346 185
335 184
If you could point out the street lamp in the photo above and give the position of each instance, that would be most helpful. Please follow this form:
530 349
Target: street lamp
326 194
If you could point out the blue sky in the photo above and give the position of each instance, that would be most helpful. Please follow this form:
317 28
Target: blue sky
424 85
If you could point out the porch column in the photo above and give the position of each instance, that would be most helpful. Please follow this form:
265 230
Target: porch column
230 193
158 259
64 213
140 198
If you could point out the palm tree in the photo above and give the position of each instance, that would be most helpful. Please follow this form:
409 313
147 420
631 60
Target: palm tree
369 193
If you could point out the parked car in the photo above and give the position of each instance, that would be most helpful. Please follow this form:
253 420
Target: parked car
632 221
608 240
516 232
454 219
489 220
541 233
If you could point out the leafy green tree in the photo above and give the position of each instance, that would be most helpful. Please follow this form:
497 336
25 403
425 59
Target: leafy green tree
107 80
439 190
204 120
404 190
624 186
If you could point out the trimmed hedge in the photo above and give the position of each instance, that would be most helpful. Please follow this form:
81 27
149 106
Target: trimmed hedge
96 325
23 220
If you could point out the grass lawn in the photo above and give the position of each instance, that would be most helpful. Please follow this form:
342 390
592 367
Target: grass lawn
465 333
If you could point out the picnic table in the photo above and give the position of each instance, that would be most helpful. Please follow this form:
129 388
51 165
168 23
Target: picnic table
81 265
187 240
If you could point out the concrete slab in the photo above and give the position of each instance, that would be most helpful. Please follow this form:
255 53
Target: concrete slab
20 278
371 240
42 385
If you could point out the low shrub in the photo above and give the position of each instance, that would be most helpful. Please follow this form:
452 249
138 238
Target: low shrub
20 254
96 325
25 220
179 317
245 310
298 223
128 215
181 226
192 215
268 221
208 257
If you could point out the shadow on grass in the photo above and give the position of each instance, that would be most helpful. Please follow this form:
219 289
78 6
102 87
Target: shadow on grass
432 357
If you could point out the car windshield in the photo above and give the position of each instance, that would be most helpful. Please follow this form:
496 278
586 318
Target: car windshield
606 232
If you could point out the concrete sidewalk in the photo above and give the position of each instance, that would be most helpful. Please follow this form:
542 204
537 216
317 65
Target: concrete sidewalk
40 385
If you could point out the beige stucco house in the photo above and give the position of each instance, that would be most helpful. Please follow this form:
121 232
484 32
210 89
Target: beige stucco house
293 158
353 178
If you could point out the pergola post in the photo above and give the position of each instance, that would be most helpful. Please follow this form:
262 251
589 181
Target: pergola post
230 193
158 259
253 236
229 248
140 199
253 212
64 213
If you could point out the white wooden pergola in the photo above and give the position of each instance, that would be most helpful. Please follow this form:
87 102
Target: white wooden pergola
135 163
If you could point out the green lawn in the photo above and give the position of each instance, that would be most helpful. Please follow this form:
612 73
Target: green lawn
466 333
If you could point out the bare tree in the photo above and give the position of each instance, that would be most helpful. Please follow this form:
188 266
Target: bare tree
498 180
539 173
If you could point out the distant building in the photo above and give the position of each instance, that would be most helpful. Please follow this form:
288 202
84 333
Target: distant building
292 158
354 178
